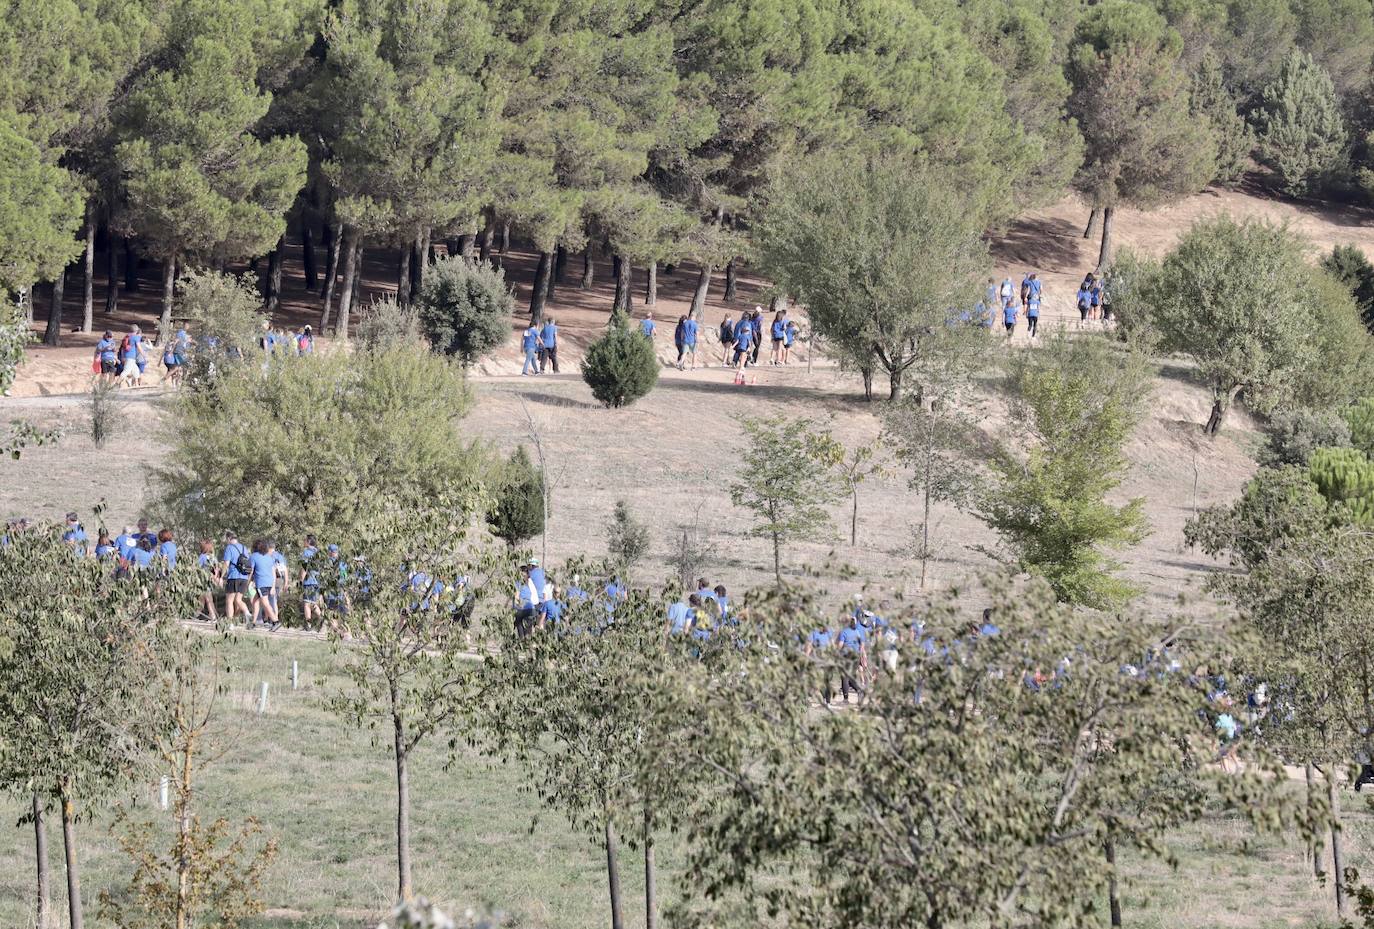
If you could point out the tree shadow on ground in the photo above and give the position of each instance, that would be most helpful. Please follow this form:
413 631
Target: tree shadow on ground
1041 244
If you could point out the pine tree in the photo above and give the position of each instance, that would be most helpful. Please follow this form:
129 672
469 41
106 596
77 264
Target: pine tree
1210 101
620 367
517 513
1301 131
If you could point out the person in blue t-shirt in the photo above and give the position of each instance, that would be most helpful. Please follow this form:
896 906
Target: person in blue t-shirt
690 328
1084 298
264 573
679 617
145 533
235 581
132 353
310 582
106 353
778 332
282 572
1032 312
75 536
647 327
818 645
744 338
141 557
1009 318
206 562
104 546
789 337
126 542
1035 284
548 338
527 600
529 345
167 548
756 324
850 641
700 619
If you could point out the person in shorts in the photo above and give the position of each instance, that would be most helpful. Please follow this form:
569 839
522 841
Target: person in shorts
107 353
778 332
206 562
264 575
235 581
310 582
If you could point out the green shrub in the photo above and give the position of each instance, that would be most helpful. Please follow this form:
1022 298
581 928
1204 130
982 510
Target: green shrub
1348 264
465 308
1299 125
1294 435
517 512
1210 100
385 324
1360 419
621 366
106 409
1345 477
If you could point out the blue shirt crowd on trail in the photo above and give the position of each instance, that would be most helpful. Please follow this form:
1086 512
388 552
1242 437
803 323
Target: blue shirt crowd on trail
124 360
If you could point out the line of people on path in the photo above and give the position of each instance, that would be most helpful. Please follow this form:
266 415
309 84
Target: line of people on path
539 347
124 361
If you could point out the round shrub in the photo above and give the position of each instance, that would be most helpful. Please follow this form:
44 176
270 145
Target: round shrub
621 366
465 308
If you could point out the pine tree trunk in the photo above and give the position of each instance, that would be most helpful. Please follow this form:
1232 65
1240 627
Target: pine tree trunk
539 293
650 877
403 884
350 247
130 267
651 285
731 281
274 262
357 289
699 296
613 873
553 278
1105 253
331 236
488 233
312 277
423 257
1113 899
622 283
52 335
74 911
88 276
40 851
467 244
112 274
1094 219
588 268
925 529
560 265
403 273
1333 799
169 280
505 237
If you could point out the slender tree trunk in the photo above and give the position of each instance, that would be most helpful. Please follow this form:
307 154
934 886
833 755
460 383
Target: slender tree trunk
868 384
488 233
560 264
274 262
183 815
925 531
553 279
112 274
53 334
88 278
854 519
588 267
539 293
357 289
331 236
777 558
1113 898
403 885
1221 404
467 244
731 281
403 274
349 246
169 281
613 873
1333 799
650 878
130 267
423 257
1105 253
703 284
312 277
622 283
894 383
651 285
1315 843
505 237
73 867
1094 221
40 851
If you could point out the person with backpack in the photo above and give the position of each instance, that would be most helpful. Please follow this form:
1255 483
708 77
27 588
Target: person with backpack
235 569
529 344
130 355
727 339
756 323
171 361
548 338
1084 299
305 342
310 581
263 570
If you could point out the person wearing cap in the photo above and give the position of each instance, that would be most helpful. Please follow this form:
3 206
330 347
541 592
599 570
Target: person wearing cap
235 581
305 342
75 536
537 576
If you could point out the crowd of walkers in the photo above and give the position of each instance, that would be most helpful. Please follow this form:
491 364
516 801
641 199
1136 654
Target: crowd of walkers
124 361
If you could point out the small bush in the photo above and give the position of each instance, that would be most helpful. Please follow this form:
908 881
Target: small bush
1299 126
106 409
620 367
387 324
1360 419
1345 477
465 308
1295 435
1349 265
627 539
518 511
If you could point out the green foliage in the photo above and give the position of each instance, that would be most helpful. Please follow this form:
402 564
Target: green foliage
106 410
316 444
787 478
627 539
1210 101
1299 126
1201 301
40 211
225 311
878 251
465 308
1078 400
1340 340
1130 97
386 324
517 511
1293 436
1345 477
998 771
14 337
620 367
1278 504
1360 417
1348 264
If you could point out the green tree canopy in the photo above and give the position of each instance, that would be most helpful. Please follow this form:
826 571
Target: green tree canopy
620 367
464 308
1299 125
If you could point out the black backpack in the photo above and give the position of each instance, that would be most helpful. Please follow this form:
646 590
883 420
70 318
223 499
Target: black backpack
242 565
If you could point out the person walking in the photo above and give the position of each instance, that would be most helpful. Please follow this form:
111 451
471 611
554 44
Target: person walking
727 339
235 568
778 332
1032 312
678 342
107 356
263 569
690 328
756 323
529 344
647 327
1009 317
789 336
744 337
548 337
